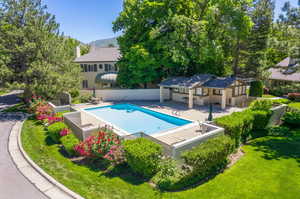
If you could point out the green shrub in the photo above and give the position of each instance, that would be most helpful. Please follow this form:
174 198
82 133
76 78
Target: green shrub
54 130
256 89
261 105
69 142
207 158
261 119
292 119
143 156
238 125
278 131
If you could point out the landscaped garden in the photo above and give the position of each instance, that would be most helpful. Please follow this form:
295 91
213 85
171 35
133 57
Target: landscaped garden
103 166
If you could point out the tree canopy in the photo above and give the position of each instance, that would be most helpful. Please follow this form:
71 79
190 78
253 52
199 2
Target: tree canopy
163 38
33 53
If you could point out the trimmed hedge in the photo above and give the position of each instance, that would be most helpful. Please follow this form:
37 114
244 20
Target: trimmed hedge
69 142
292 119
256 89
54 130
261 105
260 119
143 156
240 125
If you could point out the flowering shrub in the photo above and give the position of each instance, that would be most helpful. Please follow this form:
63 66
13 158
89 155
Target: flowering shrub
53 119
103 145
64 132
35 102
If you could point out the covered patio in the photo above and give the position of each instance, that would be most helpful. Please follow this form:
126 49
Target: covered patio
204 89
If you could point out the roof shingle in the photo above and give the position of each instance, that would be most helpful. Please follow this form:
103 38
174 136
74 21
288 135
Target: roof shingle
100 55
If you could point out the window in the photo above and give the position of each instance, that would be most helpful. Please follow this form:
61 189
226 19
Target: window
217 92
85 84
199 91
100 66
95 68
82 67
107 67
116 68
205 91
85 68
90 68
183 90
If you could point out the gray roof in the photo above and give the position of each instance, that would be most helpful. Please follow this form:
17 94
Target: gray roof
220 82
110 77
284 63
279 74
188 82
100 55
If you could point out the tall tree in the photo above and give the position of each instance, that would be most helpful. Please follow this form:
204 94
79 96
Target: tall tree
178 37
262 17
34 55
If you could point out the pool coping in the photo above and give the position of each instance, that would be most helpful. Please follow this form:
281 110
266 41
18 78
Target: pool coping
165 132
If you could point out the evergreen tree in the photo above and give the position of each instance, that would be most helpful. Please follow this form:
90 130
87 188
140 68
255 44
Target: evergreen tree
33 53
262 17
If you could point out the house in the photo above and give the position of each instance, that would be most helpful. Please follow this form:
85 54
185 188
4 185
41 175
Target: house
98 67
285 72
204 89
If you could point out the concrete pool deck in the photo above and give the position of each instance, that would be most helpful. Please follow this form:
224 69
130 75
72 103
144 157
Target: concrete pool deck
198 113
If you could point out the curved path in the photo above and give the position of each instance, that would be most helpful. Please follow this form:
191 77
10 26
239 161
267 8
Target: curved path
13 185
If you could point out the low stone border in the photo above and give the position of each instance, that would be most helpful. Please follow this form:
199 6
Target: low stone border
37 176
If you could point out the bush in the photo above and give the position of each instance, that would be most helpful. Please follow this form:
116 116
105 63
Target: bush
256 89
278 131
238 125
207 158
69 141
292 119
55 129
261 119
285 89
103 145
143 156
261 105
294 96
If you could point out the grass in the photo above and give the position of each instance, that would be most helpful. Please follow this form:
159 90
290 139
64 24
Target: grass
3 91
268 96
295 105
269 169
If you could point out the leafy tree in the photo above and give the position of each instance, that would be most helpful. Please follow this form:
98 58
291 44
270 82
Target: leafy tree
33 53
262 17
178 37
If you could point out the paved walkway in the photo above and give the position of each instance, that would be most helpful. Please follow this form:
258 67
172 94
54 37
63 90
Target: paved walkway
13 185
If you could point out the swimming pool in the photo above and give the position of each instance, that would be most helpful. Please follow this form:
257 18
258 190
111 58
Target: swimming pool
135 119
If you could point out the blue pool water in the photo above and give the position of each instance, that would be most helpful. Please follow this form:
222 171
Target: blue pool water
135 119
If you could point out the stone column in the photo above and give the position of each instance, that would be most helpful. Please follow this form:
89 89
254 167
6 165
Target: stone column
161 94
191 98
223 104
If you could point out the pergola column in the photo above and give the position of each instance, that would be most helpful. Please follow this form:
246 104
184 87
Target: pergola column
161 94
191 98
223 103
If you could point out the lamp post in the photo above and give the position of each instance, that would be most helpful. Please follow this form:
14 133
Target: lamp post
210 116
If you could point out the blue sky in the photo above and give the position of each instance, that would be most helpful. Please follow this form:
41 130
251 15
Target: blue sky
88 20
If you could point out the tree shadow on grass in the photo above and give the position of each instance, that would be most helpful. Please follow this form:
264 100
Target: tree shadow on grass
276 148
125 173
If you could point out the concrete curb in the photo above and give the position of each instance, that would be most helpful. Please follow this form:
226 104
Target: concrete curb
37 176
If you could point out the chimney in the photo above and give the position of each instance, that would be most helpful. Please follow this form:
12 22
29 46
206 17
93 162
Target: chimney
78 51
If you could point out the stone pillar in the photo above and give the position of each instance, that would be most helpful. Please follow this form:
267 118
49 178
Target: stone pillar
233 101
161 94
191 98
223 103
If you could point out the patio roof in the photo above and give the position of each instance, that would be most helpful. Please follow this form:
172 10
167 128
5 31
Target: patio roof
220 82
188 82
278 74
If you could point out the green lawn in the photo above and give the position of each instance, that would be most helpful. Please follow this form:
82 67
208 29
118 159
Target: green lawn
295 105
268 96
270 169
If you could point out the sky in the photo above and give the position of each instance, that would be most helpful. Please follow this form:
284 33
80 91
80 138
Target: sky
89 20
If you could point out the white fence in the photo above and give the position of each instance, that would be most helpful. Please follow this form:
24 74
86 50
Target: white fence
127 94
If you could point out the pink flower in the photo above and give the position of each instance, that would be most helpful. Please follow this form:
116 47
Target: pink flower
64 132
